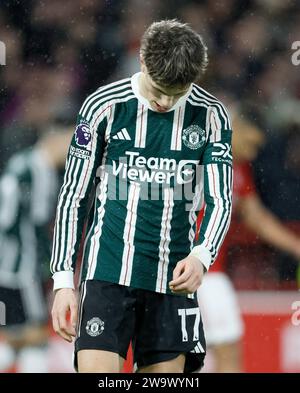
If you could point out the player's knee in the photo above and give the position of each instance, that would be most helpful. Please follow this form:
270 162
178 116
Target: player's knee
95 361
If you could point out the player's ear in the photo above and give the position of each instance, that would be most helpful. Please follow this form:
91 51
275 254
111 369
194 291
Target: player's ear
142 62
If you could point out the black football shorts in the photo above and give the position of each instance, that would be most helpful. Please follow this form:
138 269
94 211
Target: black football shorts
160 326
23 306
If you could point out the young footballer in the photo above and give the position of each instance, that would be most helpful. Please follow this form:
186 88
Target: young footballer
145 151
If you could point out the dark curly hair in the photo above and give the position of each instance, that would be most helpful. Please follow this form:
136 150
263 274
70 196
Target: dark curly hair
173 52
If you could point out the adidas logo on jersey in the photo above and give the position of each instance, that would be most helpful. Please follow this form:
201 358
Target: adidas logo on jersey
122 135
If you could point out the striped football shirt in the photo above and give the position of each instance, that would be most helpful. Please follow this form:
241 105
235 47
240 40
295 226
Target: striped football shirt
147 174
28 193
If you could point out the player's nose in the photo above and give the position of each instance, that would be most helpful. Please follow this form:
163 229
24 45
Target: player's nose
166 101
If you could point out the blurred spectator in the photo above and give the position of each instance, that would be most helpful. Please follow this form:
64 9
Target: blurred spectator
217 300
284 155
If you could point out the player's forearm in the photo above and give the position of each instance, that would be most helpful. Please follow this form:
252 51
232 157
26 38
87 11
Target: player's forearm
84 157
217 164
65 249
67 237
211 238
216 220
272 231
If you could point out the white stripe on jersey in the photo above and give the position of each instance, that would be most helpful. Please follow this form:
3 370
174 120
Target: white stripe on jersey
195 206
215 125
203 105
129 232
97 95
10 198
211 105
88 113
226 202
28 255
216 215
176 140
44 186
227 180
95 239
164 250
72 218
197 102
32 296
68 177
112 84
9 249
81 187
87 236
108 130
141 126
213 102
109 112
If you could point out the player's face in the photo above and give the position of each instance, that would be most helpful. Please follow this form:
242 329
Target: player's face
161 98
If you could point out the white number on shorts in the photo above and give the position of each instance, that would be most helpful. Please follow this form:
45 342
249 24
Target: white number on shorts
183 313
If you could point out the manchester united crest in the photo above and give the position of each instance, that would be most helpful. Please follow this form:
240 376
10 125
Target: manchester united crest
94 327
193 137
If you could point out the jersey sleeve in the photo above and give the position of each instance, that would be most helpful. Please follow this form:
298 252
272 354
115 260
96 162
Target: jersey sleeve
10 198
84 157
218 176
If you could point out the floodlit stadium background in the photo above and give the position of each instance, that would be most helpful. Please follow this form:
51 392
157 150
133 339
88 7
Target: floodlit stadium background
58 52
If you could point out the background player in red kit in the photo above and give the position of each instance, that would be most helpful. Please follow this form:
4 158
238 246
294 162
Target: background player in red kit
223 325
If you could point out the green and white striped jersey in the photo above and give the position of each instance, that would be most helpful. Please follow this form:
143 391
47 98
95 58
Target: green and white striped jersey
28 193
150 171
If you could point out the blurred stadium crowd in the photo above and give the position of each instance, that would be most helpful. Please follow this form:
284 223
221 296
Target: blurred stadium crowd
58 52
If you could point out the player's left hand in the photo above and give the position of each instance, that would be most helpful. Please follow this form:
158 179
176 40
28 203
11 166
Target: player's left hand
187 275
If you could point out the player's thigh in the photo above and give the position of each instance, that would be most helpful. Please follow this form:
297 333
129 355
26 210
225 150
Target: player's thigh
98 361
220 310
170 366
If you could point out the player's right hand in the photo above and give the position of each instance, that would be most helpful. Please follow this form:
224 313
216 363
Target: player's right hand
64 302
